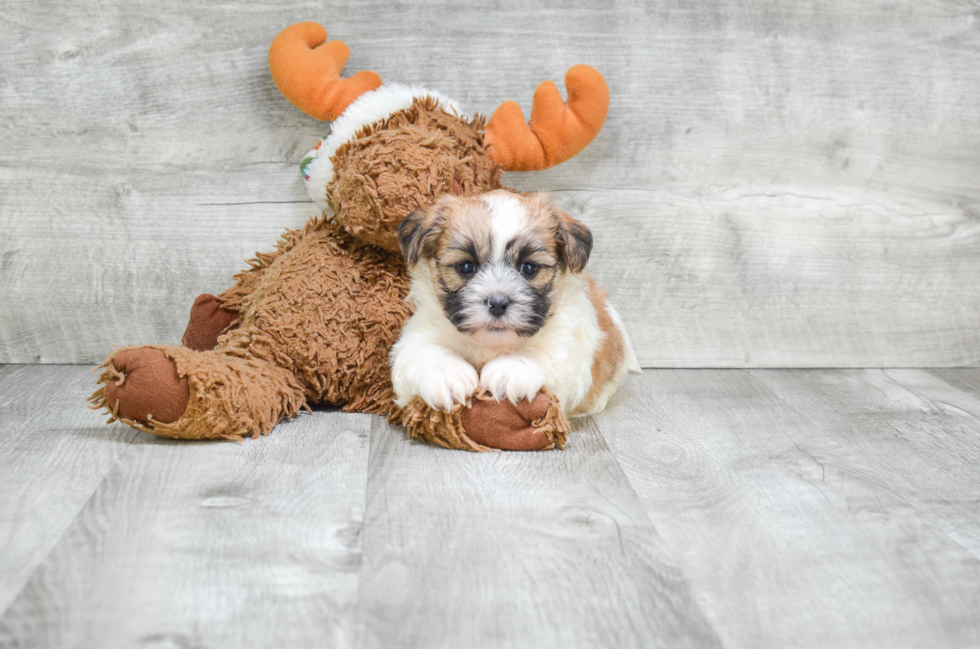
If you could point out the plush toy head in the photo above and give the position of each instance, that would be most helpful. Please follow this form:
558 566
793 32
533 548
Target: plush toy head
393 148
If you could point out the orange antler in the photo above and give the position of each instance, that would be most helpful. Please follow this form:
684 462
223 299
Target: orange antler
306 70
557 131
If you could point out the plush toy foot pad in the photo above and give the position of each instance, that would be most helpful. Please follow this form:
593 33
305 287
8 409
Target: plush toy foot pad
508 426
144 385
208 321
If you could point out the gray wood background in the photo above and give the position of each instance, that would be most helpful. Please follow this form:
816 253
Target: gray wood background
778 183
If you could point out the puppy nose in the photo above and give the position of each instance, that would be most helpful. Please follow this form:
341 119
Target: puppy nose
498 305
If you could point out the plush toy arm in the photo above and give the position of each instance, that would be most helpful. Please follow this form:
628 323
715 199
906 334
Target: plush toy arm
557 131
485 424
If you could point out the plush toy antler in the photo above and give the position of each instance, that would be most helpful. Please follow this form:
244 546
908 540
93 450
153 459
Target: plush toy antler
558 131
306 69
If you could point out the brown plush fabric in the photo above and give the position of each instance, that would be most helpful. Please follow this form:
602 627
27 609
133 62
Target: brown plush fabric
525 426
425 151
485 424
436 426
326 308
316 318
208 321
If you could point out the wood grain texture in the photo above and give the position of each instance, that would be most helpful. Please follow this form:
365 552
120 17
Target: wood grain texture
544 549
210 545
760 277
53 456
922 435
832 508
810 508
777 184
965 379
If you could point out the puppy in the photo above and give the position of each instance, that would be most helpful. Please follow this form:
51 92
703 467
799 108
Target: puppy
501 301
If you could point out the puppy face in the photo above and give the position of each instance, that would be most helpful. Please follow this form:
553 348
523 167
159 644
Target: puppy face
497 261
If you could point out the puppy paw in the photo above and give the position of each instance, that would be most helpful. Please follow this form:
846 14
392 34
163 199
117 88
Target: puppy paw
452 381
512 377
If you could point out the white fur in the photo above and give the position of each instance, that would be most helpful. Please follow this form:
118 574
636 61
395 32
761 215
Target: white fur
434 373
367 109
513 376
509 219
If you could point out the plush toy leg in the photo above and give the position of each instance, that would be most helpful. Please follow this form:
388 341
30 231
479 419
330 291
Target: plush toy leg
177 392
486 424
208 321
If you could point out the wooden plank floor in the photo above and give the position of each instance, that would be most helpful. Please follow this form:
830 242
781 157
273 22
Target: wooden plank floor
742 508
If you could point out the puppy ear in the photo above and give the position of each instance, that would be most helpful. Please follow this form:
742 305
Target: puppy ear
418 235
574 241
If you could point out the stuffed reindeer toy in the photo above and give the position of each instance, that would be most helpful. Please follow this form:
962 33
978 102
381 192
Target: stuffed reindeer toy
315 320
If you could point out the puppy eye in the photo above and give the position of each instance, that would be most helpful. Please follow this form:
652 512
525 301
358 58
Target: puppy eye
466 268
529 269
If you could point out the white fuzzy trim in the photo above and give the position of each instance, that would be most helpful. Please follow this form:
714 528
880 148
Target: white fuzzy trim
367 109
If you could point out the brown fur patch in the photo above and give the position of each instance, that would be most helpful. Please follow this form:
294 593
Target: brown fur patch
611 355
538 242
464 236
570 240
464 231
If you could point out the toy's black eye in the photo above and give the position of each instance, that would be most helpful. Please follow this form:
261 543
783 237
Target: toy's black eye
466 268
529 269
